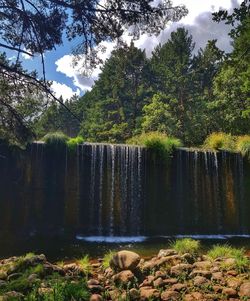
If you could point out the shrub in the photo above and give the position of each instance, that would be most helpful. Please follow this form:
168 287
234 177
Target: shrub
56 139
186 245
243 145
106 259
219 141
159 143
73 142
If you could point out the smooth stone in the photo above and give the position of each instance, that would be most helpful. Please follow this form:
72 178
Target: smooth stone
96 297
125 260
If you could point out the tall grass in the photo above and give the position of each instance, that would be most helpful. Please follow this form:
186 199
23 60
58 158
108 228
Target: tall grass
186 245
56 139
159 143
243 145
220 141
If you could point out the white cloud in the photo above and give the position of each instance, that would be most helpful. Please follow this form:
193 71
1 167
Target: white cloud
198 22
63 90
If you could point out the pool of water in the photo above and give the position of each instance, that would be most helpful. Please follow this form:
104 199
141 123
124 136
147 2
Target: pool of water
67 249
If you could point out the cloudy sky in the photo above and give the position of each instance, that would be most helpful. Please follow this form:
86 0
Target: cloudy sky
68 81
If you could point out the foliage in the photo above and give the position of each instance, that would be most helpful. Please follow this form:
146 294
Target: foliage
160 144
85 264
106 259
243 145
73 142
186 245
56 139
220 141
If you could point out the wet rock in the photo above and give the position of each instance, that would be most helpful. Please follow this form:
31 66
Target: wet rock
167 252
125 260
200 280
149 293
180 268
230 292
245 289
170 295
96 297
123 277
134 294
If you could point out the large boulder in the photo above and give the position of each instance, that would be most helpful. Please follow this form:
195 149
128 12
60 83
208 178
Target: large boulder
125 260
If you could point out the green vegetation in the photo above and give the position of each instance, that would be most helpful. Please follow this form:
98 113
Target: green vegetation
159 143
186 245
73 142
243 145
56 139
85 264
106 259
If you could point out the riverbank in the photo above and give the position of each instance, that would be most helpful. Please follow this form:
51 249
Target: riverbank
181 272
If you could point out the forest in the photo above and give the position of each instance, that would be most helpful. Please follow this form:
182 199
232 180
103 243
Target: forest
176 91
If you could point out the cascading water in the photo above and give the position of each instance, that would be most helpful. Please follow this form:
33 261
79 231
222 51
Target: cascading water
121 190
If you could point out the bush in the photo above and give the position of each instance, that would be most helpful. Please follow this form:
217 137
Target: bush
159 143
220 141
56 139
243 145
73 142
186 245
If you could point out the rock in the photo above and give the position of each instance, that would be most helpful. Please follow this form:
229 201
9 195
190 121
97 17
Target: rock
158 282
217 288
170 281
148 293
234 283
125 260
14 295
96 297
108 273
188 258
179 287
51 268
148 281
123 277
199 280
95 289
230 292
72 268
229 262
134 294
3 275
193 297
232 273
93 282
203 265
160 274
32 278
203 273
181 268
45 290
167 252
170 296
245 289
218 276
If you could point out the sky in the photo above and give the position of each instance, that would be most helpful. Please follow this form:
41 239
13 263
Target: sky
68 80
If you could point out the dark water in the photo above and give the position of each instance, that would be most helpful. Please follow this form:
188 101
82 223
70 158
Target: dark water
117 190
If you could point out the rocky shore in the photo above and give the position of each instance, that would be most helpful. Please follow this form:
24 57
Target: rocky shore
167 276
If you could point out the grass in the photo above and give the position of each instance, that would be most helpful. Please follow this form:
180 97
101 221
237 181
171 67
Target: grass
56 139
186 245
243 145
73 142
85 265
220 141
159 143
106 259
242 263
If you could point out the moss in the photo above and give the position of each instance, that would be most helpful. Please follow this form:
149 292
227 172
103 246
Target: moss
186 245
220 141
160 144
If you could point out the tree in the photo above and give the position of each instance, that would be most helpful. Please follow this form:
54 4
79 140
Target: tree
33 27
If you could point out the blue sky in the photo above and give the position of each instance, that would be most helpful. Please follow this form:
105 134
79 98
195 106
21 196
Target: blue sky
68 81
